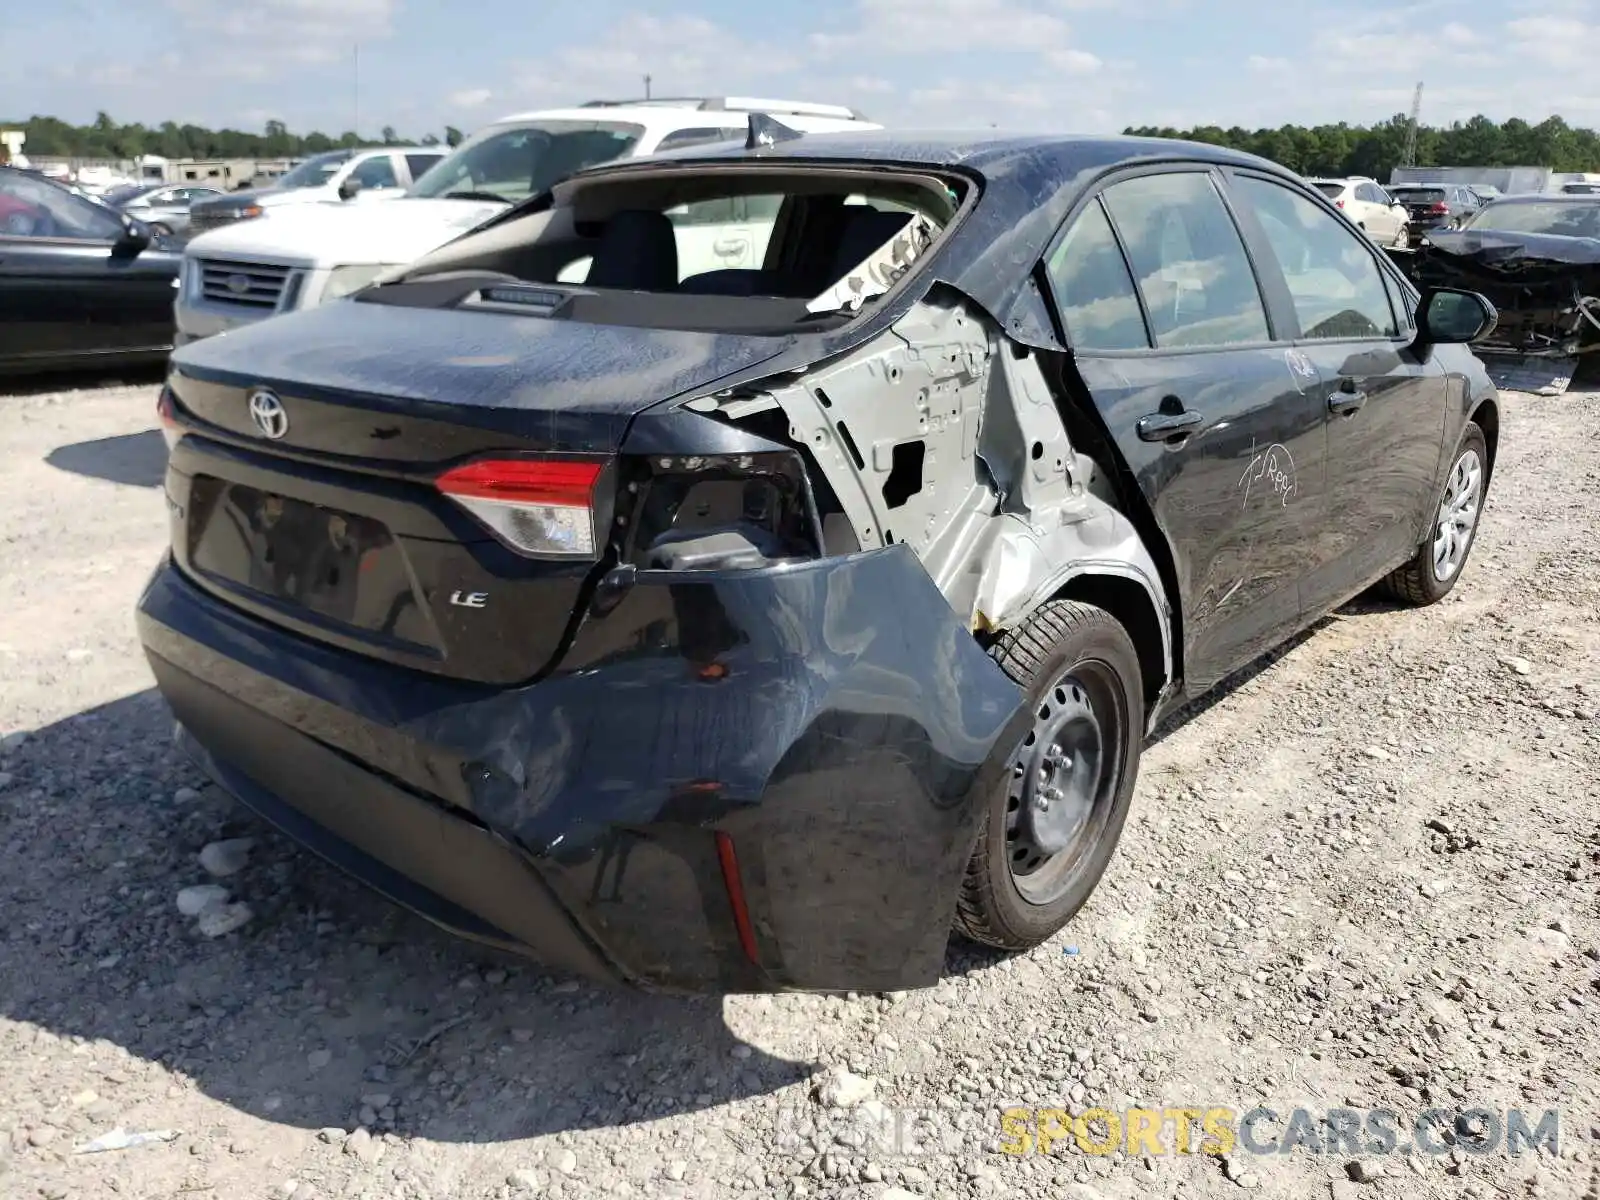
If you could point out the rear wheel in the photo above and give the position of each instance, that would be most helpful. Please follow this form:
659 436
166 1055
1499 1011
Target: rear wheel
1054 820
1442 556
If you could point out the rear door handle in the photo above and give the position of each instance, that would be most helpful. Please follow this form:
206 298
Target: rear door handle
1161 426
1344 404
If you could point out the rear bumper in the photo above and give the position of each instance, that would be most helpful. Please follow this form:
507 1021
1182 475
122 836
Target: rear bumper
841 741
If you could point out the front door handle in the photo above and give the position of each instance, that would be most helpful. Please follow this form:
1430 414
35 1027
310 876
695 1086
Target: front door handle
1163 426
1346 403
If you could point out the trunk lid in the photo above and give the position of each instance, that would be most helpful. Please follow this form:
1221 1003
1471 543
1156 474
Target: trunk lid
335 529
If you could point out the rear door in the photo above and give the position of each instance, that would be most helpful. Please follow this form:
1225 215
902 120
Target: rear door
1221 432
1383 406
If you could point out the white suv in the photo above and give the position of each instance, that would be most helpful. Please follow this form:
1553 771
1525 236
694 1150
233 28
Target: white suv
300 257
338 175
1384 219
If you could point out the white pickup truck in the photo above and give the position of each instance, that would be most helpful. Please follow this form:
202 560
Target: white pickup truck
300 256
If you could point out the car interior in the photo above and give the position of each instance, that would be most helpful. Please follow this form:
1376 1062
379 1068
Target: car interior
635 240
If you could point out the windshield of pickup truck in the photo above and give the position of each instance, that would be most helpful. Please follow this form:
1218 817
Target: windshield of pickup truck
314 172
513 162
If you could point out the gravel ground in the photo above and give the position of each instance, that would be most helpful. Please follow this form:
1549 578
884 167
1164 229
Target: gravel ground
1365 875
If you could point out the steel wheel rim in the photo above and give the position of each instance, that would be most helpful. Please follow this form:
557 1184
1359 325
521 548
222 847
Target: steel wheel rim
1458 516
1063 778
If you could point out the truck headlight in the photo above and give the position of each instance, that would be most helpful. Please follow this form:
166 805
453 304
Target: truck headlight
344 280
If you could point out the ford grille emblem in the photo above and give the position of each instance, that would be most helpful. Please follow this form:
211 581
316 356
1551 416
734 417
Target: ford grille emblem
238 284
267 411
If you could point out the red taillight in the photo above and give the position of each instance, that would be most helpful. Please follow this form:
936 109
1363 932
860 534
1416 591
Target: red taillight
735 888
1439 207
540 507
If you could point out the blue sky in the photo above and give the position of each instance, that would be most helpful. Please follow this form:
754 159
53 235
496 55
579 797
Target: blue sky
1088 65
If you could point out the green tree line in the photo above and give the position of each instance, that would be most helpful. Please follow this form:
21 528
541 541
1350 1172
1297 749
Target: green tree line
1375 150
49 137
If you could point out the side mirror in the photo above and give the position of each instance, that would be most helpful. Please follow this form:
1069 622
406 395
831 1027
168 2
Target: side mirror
1450 316
135 239
349 188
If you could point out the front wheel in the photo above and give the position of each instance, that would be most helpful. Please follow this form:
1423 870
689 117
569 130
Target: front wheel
1055 819
1442 556
1402 240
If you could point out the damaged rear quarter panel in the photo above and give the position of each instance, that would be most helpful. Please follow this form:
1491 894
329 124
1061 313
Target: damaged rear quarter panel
843 740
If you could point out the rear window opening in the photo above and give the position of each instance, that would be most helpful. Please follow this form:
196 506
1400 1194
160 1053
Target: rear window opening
736 249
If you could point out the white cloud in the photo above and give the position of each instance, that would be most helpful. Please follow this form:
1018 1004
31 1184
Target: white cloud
470 98
279 32
683 55
876 55
901 27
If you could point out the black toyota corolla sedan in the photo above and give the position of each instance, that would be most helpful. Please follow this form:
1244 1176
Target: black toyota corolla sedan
737 569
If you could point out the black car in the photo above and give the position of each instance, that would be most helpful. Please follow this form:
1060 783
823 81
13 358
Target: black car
1537 259
81 283
752 629
1437 206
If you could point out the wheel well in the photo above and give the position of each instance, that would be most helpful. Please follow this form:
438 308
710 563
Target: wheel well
1487 418
1130 603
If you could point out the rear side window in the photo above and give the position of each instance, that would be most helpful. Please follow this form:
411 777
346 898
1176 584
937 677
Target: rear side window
1334 280
420 164
1093 288
679 138
1188 260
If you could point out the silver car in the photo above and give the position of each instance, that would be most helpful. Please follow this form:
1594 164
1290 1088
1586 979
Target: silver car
163 207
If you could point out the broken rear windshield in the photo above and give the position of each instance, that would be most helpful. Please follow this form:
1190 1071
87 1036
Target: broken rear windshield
712 248
1555 218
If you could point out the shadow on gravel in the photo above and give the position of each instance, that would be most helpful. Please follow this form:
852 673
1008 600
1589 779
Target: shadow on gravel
330 998
139 459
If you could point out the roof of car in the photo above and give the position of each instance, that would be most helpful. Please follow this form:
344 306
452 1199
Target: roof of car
1548 198
990 154
656 116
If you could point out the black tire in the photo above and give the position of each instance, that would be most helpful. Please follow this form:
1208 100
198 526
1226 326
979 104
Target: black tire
1418 582
1065 642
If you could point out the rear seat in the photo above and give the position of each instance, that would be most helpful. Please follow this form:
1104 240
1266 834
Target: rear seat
864 230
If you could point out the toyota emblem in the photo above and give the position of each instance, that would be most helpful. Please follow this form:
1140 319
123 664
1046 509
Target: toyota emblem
237 284
267 411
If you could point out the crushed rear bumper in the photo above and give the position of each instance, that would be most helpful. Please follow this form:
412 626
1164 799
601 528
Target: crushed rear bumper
833 723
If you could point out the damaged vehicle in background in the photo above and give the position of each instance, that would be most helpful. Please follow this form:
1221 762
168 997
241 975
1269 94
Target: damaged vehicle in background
750 630
1537 260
